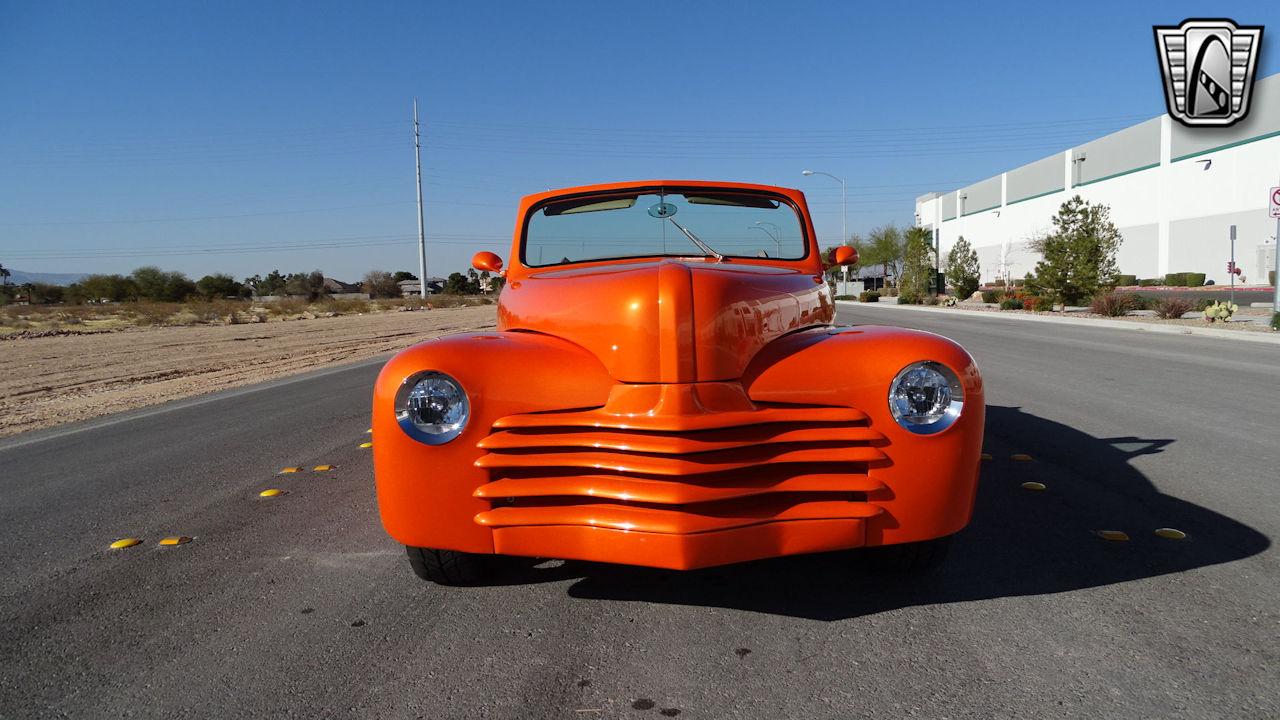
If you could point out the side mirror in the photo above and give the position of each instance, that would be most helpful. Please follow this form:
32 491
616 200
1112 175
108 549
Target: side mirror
486 261
844 255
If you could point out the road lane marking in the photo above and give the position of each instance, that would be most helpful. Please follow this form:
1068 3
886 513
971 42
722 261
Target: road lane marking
123 543
175 540
1171 534
1020 457
366 445
271 492
986 456
323 468
288 470
1032 486
1113 535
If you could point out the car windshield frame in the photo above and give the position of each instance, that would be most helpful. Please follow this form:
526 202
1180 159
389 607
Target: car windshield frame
695 190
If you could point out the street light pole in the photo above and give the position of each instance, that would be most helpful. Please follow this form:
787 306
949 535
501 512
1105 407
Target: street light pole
844 213
422 237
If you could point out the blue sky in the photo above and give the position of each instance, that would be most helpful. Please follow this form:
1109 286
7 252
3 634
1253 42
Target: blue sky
242 137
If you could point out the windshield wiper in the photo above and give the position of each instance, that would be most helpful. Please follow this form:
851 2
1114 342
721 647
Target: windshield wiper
696 241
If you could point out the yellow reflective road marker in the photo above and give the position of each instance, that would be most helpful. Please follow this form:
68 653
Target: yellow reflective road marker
1020 457
1113 535
986 456
323 468
1171 534
366 445
1032 486
176 540
288 470
123 543
271 492
369 431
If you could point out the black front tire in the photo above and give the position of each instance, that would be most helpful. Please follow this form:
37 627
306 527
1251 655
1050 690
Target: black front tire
909 558
446 567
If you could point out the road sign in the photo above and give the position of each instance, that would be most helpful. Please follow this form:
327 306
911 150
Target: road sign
1275 202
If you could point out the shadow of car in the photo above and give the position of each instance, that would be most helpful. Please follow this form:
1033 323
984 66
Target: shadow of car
1020 542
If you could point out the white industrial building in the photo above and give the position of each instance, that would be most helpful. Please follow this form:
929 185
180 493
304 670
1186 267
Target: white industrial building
1174 193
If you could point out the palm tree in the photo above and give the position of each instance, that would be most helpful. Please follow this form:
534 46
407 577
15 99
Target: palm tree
4 274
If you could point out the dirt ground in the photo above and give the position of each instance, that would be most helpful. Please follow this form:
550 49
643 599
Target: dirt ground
53 380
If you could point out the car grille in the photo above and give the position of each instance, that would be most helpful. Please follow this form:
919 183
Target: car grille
680 473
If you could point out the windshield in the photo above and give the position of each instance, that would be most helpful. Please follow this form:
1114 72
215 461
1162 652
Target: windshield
698 223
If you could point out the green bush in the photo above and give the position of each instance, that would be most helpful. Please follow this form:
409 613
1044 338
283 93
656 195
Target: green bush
1194 279
869 296
1126 280
1275 319
992 296
910 298
1151 282
1011 304
1176 280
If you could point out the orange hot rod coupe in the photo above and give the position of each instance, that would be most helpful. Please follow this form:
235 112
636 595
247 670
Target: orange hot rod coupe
666 387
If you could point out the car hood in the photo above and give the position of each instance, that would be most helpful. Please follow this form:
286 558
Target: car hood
668 321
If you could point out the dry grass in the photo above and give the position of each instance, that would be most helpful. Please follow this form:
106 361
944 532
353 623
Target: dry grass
116 316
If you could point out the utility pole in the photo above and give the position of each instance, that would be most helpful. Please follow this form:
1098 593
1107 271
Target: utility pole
422 237
1232 267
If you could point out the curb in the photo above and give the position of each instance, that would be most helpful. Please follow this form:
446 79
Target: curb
1265 338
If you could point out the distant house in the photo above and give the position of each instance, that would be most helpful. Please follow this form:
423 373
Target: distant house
411 288
334 286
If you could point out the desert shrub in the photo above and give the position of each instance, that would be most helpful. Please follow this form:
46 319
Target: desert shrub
1150 282
1172 308
1036 303
1011 303
1201 304
1111 304
909 297
343 306
869 296
1193 279
1141 302
1275 321
1126 280
932 300
151 313
287 306
992 296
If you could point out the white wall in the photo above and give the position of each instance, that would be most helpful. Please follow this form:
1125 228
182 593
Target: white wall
1174 217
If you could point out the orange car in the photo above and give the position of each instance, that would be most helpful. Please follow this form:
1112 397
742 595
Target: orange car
666 387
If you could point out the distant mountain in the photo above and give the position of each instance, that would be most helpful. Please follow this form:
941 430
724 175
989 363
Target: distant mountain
21 277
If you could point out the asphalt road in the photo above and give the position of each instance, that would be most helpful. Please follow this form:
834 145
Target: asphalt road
300 606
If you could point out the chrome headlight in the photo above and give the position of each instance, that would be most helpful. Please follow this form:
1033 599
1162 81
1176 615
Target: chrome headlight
432 407
926 397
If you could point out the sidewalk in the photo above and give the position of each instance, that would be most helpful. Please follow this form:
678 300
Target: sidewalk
1272 338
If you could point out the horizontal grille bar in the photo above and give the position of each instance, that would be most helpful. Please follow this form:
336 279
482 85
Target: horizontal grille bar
652 464
704 441
687 520
661 491
682 423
